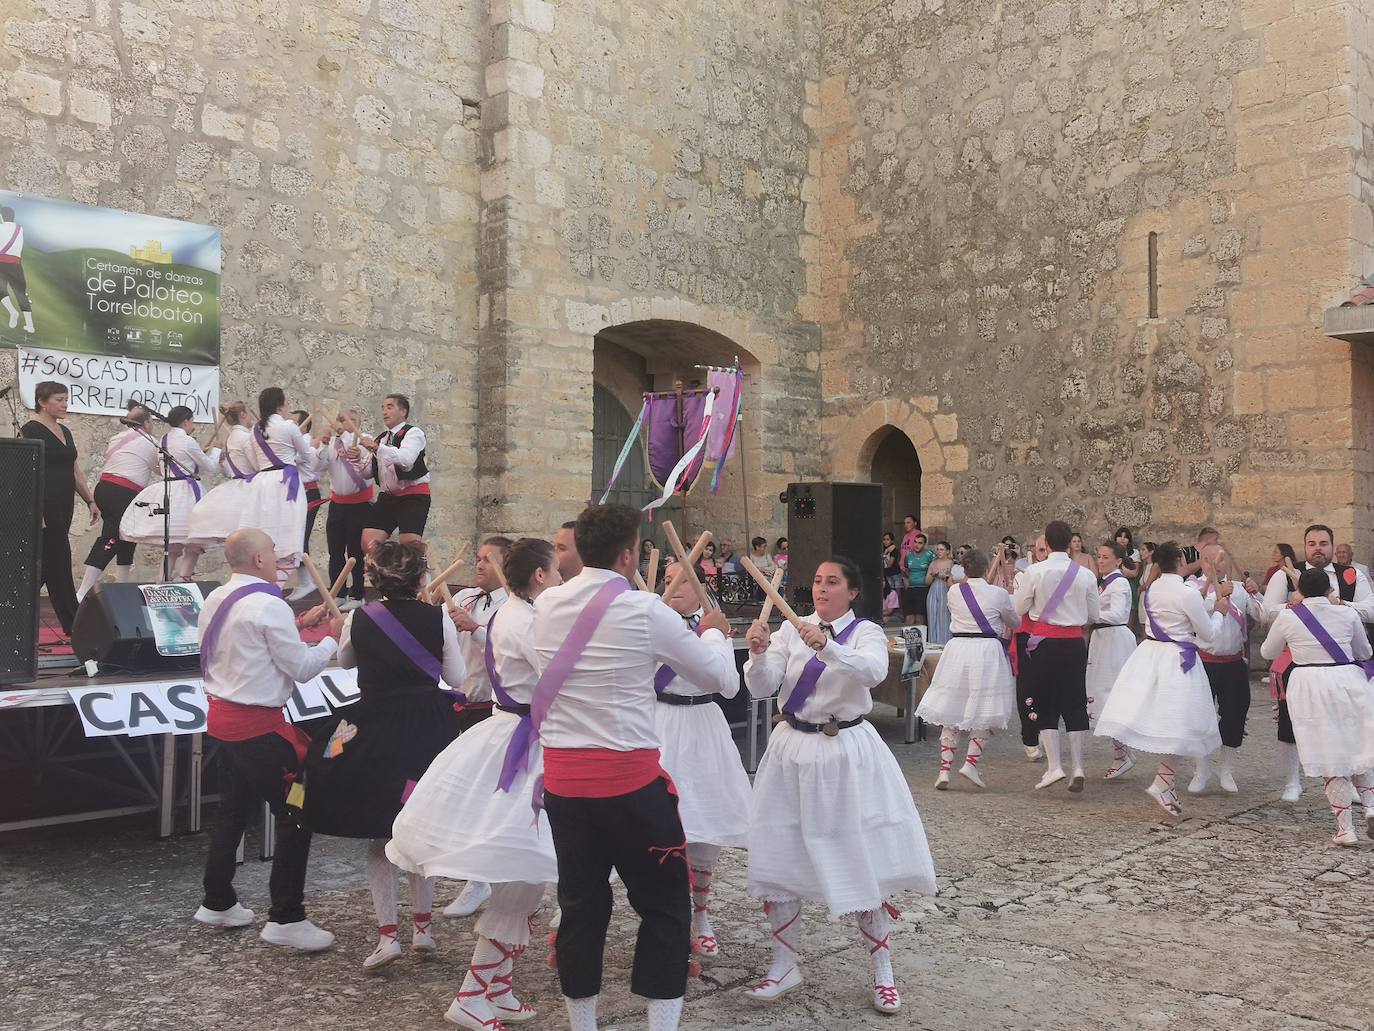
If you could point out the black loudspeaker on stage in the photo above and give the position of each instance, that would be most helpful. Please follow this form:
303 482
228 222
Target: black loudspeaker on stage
112 628
21 544
825 519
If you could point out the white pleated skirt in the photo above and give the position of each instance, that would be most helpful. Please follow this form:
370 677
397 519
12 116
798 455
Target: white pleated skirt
833 821
142 520
1332 709
972 689
1155 707
713 789
1108 651
217 514
266 508
457 823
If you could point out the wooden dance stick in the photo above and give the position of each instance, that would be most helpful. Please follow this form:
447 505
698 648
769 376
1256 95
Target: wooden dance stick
210 444
653 568
767 609
687 562
639 582
692 558
449 603
321 585
771 593
429 588
343 577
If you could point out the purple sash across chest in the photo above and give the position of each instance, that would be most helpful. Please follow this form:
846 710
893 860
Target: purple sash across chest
290 475
805 686
1309 619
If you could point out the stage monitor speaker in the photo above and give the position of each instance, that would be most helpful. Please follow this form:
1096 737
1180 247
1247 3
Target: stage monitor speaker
825 519
21 546
112 627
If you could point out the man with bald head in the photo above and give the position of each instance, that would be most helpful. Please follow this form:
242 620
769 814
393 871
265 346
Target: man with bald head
1227 665
251 657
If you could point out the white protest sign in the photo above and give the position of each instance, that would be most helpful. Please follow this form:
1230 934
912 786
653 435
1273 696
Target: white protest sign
102 384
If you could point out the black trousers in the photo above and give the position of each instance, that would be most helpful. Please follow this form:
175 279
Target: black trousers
1054 679
641 836
12 275
56 566
112 499
1231 691
252 772
343 529
1030 730
312 495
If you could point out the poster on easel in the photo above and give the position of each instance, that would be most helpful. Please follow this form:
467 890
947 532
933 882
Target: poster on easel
174 614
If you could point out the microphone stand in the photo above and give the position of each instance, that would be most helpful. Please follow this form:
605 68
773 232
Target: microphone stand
14 412
166 510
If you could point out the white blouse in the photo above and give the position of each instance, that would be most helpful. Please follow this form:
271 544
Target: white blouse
1114 603
1342 622
845 688
188 453
512 651
1179 611
993 600
287 441
681 685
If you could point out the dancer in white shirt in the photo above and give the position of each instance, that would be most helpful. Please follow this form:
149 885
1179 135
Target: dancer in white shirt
832 819
251 657
219 512
1161 702
703 761
350 500
972 690
131 461
1329 697
1227 666
469 815
1060 597
610 804
1112 642
398 466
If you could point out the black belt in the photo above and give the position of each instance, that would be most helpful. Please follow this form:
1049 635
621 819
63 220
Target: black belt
987 637
686 699
1105 626
514 710
816 728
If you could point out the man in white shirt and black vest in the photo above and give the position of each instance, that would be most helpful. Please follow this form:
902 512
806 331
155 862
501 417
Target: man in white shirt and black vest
609 803
252 657
1350 587
398 467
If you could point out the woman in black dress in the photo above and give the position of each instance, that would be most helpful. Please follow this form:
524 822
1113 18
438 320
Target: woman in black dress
368 756
61 478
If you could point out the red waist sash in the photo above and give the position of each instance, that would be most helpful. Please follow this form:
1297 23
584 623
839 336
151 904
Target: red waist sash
120 481
405 492
1218 659
599 772
1034 628
233 721
361 497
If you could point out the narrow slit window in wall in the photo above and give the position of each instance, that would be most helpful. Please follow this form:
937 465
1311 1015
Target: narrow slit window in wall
1153 299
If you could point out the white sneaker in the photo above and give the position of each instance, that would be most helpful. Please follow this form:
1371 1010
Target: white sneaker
301 591
942 781
301 935
1292 791
970 773
886 999
469 900
1119 768
1034 753
236 915
1227 780
1051 777
771 988
1345 838
1076 781
349 604
388 950
1200 780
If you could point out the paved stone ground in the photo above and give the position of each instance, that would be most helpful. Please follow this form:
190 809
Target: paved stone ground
1055 911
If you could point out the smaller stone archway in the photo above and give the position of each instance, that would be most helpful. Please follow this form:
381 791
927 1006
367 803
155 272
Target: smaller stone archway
897 466
858 440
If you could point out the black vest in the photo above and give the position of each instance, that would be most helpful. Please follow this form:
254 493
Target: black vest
415 471
382 666
1345 585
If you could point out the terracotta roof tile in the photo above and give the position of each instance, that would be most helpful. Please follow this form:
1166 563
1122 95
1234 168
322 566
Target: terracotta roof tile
1364 295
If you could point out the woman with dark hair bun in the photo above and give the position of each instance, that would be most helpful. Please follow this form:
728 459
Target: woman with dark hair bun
217 514
276 501
469 815
1161 701
142 520
832 819
367 758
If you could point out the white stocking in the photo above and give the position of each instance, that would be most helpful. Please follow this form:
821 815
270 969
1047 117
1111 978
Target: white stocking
89 579
186 565
421 900
125 574
382 879
785 919
949 745
701 860
581 1013
1164 777
1365 789
487 959
1340 794
975 747
873 926
664 1014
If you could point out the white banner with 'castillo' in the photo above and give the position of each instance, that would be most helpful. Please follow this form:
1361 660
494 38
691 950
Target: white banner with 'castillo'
101 384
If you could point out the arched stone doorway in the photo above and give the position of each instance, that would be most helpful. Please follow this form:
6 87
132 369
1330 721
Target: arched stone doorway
897 466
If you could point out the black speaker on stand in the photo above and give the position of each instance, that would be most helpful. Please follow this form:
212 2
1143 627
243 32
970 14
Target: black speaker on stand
21 547
112 627
825 519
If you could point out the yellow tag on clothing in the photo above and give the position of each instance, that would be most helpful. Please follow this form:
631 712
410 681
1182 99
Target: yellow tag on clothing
296 796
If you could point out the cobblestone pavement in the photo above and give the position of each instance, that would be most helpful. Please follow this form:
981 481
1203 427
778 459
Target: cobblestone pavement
1055 911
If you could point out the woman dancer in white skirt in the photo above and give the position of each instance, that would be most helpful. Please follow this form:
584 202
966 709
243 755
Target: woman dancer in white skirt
142 521
275 503
973 689
713 790
1112 642
1330 700
832 819
469 816
1161 701
216 515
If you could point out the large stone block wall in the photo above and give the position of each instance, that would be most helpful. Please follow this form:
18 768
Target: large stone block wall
646 162
336 146
990 175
